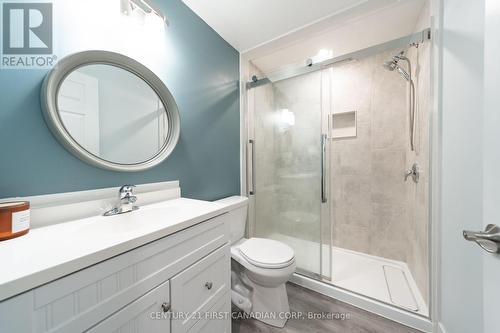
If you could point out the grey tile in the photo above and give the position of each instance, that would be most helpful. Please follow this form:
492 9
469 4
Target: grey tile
355 158
387 182
356 238
356 201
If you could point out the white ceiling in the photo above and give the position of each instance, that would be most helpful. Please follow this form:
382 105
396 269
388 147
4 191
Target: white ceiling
246 24
352 31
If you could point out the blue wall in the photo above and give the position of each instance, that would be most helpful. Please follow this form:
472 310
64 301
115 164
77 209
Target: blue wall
200 69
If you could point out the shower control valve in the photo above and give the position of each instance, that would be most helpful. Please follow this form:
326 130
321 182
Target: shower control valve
414 172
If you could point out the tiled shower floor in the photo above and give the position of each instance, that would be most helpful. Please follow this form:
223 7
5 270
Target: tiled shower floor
382 279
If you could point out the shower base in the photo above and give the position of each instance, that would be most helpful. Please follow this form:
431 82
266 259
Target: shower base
384 280
388 281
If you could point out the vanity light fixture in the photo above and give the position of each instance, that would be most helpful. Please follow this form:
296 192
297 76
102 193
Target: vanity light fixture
146 6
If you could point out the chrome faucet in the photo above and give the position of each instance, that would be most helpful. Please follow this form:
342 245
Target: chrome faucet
126 201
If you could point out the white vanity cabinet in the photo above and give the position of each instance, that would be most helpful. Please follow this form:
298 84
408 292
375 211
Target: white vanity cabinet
178 283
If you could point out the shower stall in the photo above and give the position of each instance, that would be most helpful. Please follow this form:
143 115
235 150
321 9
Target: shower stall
338 169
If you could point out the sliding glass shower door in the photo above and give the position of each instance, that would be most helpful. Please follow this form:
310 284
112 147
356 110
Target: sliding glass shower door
287 164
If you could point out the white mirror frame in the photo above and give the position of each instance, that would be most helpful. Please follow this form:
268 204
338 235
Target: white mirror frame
65 66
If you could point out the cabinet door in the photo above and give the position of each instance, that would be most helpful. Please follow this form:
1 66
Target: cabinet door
148 314
196 289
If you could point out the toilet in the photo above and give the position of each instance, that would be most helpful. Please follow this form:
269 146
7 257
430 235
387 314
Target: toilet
259 269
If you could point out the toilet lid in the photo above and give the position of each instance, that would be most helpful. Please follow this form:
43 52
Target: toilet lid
267 253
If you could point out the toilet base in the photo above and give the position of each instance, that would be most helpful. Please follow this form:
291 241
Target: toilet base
270 305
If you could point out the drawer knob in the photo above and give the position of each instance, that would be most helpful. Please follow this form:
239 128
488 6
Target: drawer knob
209 285
165 307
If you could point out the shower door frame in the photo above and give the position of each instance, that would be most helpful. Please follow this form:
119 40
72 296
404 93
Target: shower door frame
248 150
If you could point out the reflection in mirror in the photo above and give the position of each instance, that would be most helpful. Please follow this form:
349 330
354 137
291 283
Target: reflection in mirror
112 113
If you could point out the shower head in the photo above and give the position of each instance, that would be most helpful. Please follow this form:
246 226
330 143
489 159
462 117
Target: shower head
392 65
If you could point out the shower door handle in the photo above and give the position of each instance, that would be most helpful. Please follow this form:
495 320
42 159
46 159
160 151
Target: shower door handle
324 198
252 167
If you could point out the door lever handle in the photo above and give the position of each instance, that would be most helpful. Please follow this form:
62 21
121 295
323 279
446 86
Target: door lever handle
488 240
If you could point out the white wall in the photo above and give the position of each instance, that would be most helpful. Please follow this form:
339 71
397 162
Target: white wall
461 191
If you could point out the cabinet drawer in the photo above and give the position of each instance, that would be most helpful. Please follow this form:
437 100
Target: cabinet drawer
218 319
199 287
142 315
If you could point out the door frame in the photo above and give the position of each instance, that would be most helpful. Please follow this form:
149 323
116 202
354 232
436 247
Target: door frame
435 122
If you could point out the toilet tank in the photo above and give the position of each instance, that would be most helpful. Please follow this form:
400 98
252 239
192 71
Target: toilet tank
237 208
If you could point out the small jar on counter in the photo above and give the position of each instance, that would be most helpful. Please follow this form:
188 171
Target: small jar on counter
14 219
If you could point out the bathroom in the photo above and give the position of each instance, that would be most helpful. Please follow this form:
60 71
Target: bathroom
223 166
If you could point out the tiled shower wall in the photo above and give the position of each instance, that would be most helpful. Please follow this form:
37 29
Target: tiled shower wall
374 210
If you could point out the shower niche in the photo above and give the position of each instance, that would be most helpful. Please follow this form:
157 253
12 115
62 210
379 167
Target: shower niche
342 125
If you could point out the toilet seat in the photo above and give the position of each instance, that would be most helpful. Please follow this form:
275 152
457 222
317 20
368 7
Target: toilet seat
267 253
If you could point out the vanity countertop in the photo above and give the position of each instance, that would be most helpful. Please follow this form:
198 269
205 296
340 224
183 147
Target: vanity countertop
50 252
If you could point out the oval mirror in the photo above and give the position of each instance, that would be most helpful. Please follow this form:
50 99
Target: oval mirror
110 111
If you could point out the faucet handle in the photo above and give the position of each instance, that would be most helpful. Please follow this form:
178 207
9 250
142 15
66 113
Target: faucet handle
414 172
408 173
125 201
126 190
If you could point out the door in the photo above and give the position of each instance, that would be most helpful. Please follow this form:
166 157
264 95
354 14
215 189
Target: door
491 161
78 102
287 168
469 288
